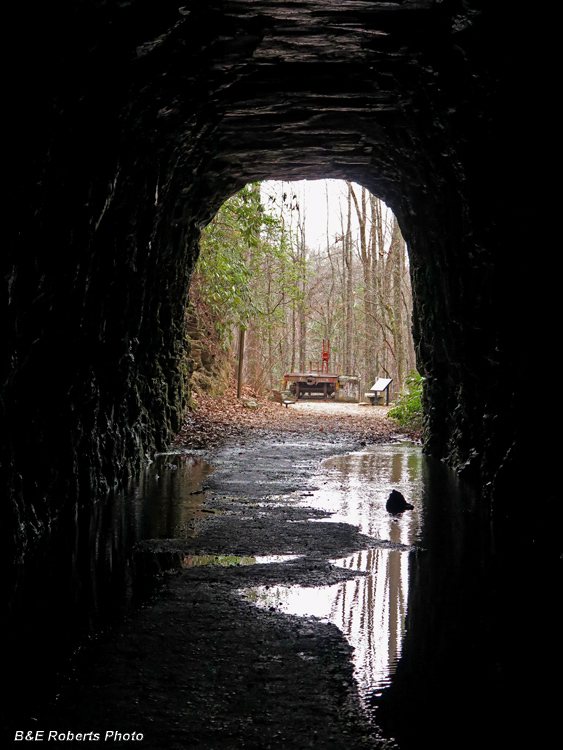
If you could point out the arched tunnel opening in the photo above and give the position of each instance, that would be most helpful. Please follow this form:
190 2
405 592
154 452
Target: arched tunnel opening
314 276
132 124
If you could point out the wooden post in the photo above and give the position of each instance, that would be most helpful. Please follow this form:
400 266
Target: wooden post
240 360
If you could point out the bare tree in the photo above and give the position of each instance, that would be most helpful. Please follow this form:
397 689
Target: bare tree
355 291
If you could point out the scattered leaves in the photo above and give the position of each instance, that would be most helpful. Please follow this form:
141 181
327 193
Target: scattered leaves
217 419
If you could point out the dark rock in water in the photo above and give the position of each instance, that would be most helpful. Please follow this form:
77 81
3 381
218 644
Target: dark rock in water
396 503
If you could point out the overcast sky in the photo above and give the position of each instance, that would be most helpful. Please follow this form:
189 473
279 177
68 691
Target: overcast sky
312 199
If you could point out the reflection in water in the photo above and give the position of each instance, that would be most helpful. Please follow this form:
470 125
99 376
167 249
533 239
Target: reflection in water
446 686
168 498
89 582
372 612
194 561
371 608
355 488
222 561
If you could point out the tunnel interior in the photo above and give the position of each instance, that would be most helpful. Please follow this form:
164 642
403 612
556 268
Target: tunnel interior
133 122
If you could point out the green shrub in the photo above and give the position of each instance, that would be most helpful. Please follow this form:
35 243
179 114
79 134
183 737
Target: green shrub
407 411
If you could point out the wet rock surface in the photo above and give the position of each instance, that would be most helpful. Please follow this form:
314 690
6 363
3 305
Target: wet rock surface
151 118
201 666
217 659
132 122
204 668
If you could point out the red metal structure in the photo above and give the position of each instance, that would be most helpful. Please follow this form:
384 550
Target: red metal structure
326 354
317 380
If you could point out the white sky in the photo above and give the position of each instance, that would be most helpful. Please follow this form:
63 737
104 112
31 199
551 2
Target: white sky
312 199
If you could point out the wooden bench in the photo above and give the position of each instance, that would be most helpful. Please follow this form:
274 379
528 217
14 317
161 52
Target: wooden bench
281 400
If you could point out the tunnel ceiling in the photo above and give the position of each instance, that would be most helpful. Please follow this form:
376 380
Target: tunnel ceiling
399 96
134 121
393 95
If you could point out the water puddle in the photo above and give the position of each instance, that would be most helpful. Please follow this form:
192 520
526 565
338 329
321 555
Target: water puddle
266 559
192 561
168 498
92 580
355 488
225 561
369 609
99 585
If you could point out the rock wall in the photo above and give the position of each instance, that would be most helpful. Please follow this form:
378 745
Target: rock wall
210 368
133 122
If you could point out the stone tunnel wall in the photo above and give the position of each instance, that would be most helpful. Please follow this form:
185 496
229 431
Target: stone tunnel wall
133 122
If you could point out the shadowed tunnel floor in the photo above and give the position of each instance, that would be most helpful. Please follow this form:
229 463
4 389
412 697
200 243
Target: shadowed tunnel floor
202 666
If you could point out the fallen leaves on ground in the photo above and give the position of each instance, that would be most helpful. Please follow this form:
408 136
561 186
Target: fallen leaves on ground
217 419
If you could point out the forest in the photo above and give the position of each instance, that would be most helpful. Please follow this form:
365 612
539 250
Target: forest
267 269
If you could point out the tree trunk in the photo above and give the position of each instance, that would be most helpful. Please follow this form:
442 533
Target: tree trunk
348 289
396 256
303 300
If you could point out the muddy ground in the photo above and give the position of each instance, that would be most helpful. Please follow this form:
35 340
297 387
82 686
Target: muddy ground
199 665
